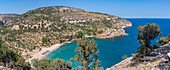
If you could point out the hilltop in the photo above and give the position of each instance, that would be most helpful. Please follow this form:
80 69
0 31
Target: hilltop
44 27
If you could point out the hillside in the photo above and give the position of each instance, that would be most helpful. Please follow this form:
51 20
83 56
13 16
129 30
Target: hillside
159 59
4 18
47 26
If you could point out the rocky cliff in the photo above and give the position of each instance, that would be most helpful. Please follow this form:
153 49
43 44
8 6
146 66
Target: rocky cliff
159 59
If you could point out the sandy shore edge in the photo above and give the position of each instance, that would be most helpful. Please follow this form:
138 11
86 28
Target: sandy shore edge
40 55
45 51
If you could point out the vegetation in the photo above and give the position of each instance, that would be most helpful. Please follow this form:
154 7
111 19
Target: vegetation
100 32
87 57
53 64
164 40
79 34
45 40
124 57
11 59
146 34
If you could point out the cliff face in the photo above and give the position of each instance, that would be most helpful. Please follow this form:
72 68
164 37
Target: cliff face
47 26
159 59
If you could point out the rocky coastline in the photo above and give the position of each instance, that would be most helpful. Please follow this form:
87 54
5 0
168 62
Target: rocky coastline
111 33
160 60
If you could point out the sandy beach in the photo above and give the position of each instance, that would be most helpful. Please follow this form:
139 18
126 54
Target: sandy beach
46 51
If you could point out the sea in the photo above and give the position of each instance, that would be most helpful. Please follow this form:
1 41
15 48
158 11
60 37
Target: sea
112 50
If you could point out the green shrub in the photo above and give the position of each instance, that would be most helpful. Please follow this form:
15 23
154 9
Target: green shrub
124 57
100 32
89 34
164 40
45 40
79 34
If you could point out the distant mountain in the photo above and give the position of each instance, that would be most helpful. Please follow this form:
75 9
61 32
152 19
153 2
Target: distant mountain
47 26
6 17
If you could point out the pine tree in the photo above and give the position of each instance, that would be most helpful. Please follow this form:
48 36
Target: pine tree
146 34
87 57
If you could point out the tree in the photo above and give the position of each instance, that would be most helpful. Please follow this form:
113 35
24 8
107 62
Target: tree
35 63
60 64
21 64
45 40
100 32
89 34
0 42
79 34
11 59
94 32
44 64
87 57
164 40
51 64
146 34
7 56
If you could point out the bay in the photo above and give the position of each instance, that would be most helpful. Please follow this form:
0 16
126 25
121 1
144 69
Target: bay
111 50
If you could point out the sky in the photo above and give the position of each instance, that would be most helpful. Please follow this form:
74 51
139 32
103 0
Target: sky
121 8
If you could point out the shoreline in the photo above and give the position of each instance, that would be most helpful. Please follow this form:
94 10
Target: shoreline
45 51
39 55
58 47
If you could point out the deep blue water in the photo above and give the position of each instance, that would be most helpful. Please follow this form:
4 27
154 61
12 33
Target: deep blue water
111 50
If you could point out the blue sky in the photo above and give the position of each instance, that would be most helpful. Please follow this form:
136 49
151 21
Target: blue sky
121 8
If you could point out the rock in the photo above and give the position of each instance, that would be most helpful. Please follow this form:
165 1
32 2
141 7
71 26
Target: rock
168 55
15 27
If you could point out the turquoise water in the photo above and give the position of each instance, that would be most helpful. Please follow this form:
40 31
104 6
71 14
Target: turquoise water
111 50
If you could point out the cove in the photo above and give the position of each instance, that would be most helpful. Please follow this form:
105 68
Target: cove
111 50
